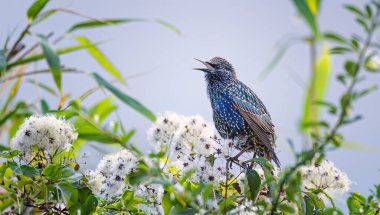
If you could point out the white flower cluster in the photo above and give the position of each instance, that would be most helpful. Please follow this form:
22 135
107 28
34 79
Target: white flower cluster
192 143
108 179
207 206
152 194
326 177
49 134
246 208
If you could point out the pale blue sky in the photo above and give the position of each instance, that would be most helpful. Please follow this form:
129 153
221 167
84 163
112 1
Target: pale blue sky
244 32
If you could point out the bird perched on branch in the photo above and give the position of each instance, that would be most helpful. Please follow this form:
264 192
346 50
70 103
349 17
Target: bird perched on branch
238 112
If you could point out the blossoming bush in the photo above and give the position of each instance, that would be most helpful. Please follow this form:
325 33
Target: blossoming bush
189 170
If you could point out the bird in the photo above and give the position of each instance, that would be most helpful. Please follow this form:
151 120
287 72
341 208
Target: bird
238 113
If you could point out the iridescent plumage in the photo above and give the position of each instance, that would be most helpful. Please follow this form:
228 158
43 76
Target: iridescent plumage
237 111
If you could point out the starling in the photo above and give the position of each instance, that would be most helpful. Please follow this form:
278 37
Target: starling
238 112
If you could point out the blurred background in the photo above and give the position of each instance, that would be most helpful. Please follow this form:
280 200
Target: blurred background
160 61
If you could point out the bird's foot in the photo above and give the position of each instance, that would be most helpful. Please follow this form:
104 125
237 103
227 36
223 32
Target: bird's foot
236 161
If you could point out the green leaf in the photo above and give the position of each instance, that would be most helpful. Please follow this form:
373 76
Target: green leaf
125 98
351 68
43 86
74 177
52 59
340 50
14 167
35 9
89 206
9 154
3 63
316 89
126 137
6 201
355 10
362 22
100 58
167 203
102 109
286 208
19 105
263 162
335 37
368 11
29 171
65 193
253 183
106 22
44 16
100 23
332 211
170 26
179 210
318 203
37 57
70 194
127 197
309 206
53 171
4 148
311 19
355 44
44 106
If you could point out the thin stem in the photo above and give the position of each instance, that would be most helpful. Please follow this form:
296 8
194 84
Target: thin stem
22 35
226 187
342 116
68 70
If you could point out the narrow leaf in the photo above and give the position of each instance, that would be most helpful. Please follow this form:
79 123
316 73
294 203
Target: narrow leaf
317 88
125 98
52 59
307 14
170 26
35 9
44 106
43 86
100 58
44 16
355 10
42 56
100 23
335 37
3 63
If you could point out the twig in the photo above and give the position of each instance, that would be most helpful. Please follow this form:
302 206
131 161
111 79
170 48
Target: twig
22 35
68 70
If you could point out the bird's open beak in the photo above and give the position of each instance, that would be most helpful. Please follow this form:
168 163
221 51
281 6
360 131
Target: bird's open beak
208 68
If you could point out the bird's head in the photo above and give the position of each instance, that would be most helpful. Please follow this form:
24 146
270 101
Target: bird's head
217 69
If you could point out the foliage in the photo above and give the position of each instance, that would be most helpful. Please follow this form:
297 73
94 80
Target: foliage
190 170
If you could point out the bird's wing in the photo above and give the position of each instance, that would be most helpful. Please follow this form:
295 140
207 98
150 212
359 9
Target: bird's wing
256 116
